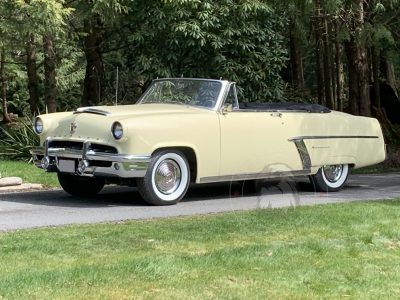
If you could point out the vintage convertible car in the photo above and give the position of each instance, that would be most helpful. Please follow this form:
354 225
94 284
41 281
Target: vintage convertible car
185 131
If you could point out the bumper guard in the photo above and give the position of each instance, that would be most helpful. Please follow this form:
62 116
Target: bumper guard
122 165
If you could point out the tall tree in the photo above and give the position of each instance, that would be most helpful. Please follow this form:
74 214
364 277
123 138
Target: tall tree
339 67
95 23
328 67
35 19
31 67
50 73
4 37
356 52
319 53
296 56
6 117
93 84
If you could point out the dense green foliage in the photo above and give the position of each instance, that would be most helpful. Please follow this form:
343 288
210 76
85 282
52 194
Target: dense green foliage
144 40
15 142
247 41
234 40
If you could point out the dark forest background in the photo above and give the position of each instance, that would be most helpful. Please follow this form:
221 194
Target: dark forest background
57 55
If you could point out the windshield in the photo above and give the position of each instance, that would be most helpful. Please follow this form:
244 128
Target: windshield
202 93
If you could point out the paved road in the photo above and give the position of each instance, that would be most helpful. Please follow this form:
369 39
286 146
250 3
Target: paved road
25 210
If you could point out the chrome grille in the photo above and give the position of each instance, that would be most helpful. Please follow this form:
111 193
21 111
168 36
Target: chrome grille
79 146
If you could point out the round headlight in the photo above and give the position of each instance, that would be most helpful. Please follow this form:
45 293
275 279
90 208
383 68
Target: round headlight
117 130
38 125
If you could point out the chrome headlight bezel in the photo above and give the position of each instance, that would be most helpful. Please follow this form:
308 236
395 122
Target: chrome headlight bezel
38 125
117 130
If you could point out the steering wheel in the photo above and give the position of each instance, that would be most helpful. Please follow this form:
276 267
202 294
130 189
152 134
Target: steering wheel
209 103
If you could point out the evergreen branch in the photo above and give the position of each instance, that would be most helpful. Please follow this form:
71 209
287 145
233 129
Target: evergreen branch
391 18
14 63
118 48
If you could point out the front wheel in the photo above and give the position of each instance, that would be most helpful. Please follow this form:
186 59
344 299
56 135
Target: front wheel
78 186
167 178
330 178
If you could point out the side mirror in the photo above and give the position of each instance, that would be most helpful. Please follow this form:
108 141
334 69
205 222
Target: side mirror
226 109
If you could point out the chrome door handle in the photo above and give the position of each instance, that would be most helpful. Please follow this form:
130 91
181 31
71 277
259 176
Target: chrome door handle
276 115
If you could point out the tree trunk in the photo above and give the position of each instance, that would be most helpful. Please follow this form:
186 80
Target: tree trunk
339 70
354 93
332 60
6 117
92 89
32 75
365 100
375 75
356 52
387 70
319 56
50 74
296 59
327 68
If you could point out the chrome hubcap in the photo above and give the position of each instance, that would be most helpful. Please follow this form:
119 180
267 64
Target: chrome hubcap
167 177
333 172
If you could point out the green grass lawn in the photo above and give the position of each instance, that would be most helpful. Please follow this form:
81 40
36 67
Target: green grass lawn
28 172
335 251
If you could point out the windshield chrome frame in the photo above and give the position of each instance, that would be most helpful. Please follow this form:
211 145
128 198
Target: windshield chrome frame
218 103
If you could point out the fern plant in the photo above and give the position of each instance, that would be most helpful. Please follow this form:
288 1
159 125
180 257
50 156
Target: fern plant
15 142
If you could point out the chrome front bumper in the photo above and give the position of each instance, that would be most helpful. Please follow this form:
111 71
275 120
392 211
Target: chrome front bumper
121 165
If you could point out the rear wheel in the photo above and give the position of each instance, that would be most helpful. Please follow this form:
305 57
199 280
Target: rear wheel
79 186
330 178
167 178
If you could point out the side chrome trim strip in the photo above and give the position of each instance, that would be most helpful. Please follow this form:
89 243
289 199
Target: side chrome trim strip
305 160
304 155
318 137
302 148
237 177
273 110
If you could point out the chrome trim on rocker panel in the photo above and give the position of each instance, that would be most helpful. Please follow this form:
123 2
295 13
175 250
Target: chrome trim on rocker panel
305 160
122 165
251 176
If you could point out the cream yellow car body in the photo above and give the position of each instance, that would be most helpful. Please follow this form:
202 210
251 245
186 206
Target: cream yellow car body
227 143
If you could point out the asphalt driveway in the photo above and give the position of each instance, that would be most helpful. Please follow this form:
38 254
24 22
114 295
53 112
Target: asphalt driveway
24 210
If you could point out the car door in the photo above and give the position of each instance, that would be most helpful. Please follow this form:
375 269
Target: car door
255 144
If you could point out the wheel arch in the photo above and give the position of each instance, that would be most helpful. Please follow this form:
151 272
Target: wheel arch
337 160
190 156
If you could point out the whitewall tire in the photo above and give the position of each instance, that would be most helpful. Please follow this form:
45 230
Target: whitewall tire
330 178
167 178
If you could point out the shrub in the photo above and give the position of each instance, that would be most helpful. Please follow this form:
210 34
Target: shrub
17 140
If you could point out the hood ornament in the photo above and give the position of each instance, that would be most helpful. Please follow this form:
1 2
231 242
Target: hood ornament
73 127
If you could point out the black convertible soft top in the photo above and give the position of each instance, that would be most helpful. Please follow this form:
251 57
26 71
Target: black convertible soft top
270 106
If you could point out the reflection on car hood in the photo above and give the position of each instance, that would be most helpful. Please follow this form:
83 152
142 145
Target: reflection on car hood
124 111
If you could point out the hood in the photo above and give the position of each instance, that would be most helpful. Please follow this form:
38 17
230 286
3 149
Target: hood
94 123
129 111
